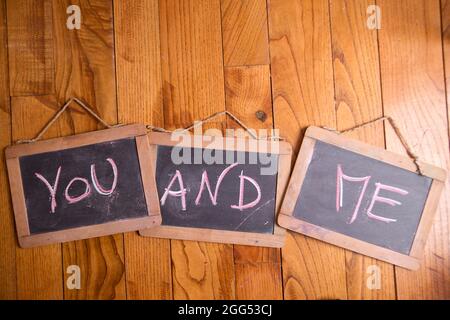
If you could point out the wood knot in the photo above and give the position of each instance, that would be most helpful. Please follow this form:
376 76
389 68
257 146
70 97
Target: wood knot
261 115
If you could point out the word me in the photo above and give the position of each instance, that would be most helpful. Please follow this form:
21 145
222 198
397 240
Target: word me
340 177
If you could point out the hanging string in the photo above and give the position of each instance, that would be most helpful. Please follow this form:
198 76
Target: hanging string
60 112
397 131
210 118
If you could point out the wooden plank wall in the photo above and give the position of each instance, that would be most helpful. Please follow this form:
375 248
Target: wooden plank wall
274 64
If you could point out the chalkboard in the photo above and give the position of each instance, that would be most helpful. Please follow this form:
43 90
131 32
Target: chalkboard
328 181
79 186
222 216
236 193
349 191
115 193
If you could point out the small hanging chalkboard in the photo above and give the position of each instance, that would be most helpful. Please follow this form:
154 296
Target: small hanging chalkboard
82 186
218 189
362 198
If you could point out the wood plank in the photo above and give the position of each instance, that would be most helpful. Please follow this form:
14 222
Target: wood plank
358 100
31 65
445 16
148 261
8 234
302 85
84 68
193 88
248 97
39 270
244 27
260 281
414 95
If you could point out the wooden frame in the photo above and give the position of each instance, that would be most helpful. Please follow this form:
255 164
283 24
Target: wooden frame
287 220
275 240
13 154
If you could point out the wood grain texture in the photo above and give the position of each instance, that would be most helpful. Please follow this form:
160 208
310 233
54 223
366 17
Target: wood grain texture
148 261
244 27
193 83
248 97
169 58
358 100
259 281
84 59
414 95
84 68
31 64
39 270
7 232
303 94
445 16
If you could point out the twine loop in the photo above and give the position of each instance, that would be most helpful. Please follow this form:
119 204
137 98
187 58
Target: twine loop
60 112
414 157
210 118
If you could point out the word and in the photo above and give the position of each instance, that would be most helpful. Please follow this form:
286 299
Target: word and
205 184
340 177
72 199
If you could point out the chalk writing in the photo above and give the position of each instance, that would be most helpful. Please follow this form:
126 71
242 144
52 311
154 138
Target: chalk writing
205 181
51 189
72 199
388 201
241 205
340 177
87 191
213 196
180 193
97 186
340 190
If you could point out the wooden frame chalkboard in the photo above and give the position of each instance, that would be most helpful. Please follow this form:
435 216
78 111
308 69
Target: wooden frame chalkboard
287 219
276 239
14 153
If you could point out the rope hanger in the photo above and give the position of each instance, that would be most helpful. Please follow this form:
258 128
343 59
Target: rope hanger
91 112
397 131
213 116
58 115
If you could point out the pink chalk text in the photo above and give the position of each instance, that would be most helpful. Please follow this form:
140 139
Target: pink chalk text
72 199
213 196
340 177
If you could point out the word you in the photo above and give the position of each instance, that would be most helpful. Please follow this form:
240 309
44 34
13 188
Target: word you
375 198
72 199
212 195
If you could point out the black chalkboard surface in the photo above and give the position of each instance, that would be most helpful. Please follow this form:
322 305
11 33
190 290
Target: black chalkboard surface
259 218
219 189
324 186
362 198
109 196
82 186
